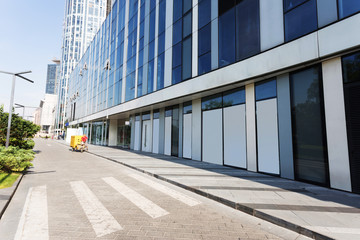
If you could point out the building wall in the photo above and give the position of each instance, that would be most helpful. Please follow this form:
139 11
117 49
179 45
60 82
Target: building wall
146 58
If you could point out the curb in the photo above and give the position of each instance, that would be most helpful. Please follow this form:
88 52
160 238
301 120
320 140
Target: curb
17 183
237 206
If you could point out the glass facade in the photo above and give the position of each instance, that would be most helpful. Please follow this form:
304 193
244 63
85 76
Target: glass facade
204 37
308 126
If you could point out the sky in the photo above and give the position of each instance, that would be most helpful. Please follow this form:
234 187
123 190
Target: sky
30 37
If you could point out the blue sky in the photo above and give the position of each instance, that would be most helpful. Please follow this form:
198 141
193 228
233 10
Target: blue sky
30 37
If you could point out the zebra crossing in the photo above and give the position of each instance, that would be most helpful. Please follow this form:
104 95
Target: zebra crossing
34 223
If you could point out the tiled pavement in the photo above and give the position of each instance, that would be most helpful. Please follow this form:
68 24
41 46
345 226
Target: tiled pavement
76 196
308 209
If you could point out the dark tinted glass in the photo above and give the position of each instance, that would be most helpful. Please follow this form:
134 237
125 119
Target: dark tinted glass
140 82
146 116
152 4
227 38
130 87
187 5
176 55
204 12
289 4
234 97
160 72
156 114
301 20
187 25
142 29
162 16
348 7
247 29
152 26
204 63
168 112
177 13
186 61
142 12
141 57
205 39
177 32
211 102
151 50
310 157
150 84
187 107
176 75
161 43
351 68
175 132
226 5
265 90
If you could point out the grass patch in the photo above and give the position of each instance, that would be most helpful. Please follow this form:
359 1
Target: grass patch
8 179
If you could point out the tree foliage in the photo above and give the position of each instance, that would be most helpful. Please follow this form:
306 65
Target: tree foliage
21 130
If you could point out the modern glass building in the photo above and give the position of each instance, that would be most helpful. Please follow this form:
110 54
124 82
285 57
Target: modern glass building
52 70
270 86
82 20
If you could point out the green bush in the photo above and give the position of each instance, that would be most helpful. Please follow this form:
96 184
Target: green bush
13 159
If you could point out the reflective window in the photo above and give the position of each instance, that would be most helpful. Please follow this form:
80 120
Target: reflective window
187 107
187 5
160 72
168 112
146 116
247 29
301 20
161 43
234 97
309 141
177 32
204 63
140 82
150 84
162 16
176 55
265 90
205 39
187 25
156 114
289 4
151 50
351 68
152 26
211 102
177 14
204 12
186 59
348 7
227 38
176 75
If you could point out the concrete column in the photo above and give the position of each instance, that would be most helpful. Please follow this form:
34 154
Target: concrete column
196 130
285 130
336 125
113 125
251 128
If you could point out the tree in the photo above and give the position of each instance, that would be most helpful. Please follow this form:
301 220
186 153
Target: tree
21 130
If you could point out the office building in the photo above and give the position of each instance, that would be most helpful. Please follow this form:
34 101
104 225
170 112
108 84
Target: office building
266 86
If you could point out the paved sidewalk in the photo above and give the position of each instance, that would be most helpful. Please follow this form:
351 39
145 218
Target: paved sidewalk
311 210
6 194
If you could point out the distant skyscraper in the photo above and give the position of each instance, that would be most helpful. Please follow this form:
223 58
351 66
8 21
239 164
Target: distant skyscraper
82 20
51 79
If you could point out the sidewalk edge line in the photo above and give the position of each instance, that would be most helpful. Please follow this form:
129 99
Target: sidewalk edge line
12 195
237 206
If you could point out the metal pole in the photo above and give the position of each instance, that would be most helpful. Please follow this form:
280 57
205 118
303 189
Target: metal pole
10 112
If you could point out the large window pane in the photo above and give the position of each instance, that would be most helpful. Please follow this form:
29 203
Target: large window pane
150 82
177 13
161 43
204 12
226 5
177 32
247 29
187 25
351 68
234 97
176 75
162 16
205 40
186 61
140 82
289 4
227 38
309 142
204 63
211 102
301 20
175 132
265 90
176 55
187 5
160 72
348 7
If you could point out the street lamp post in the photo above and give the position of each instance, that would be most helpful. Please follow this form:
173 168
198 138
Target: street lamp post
12 99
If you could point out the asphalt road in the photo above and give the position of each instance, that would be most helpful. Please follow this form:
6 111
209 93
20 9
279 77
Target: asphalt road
73 195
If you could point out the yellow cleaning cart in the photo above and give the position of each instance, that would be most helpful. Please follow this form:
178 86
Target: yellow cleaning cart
77 144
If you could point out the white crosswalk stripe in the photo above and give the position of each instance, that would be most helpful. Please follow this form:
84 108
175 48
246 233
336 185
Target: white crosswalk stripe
34 218
100 218
141 202
168 191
